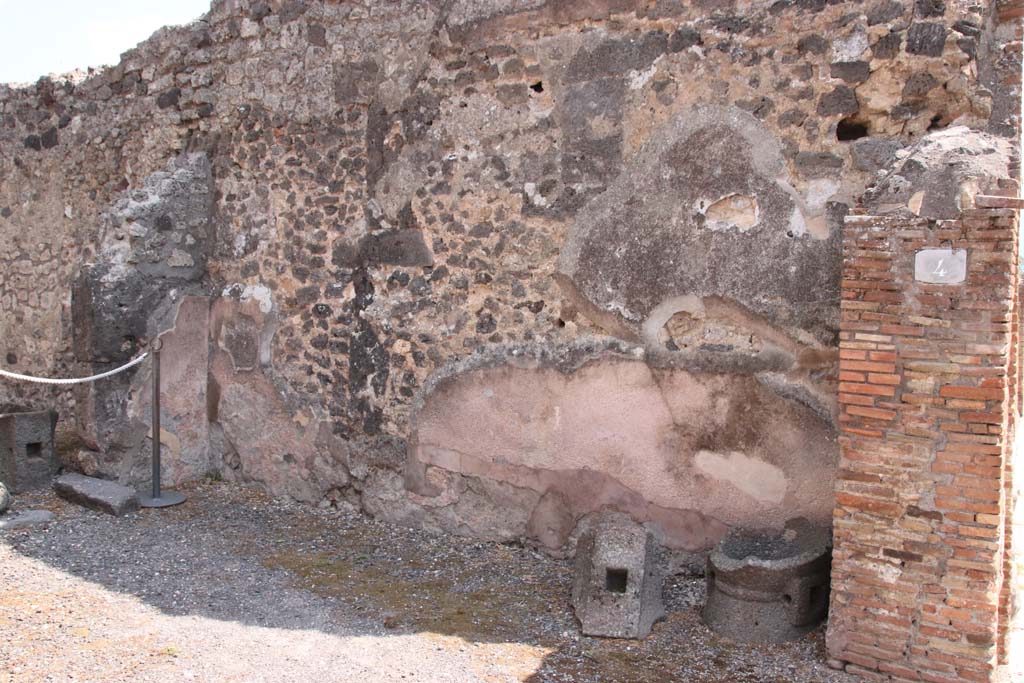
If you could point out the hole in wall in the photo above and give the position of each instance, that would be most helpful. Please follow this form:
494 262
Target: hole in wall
733 211
850 129
34 450
615 580
560 322
538 86
786 598
936 123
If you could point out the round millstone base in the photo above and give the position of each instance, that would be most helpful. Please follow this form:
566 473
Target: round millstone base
769 588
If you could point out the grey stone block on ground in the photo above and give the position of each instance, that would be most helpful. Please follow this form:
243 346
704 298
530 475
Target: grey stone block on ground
617 587
27 457
5 498
98 494
26 520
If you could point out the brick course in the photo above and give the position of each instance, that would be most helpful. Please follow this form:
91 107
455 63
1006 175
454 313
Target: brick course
928 396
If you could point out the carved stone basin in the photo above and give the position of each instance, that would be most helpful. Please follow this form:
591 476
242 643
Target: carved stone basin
769 588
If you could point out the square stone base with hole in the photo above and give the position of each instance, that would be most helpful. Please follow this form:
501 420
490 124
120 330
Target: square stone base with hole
27 456
617 588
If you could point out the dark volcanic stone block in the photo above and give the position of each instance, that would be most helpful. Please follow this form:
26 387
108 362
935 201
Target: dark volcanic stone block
851 72
926 38
27 458
842 100
617 588
98 494
765 588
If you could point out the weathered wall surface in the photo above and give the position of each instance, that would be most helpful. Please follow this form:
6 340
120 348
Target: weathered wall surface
484 266
614 433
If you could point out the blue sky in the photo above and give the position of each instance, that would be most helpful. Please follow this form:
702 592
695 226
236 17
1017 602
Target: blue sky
38 37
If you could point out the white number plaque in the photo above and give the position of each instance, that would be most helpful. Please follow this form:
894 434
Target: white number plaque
941 266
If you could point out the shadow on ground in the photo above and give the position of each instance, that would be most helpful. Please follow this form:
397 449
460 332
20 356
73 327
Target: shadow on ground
233 554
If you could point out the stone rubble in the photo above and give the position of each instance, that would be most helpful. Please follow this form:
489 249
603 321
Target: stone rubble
26 520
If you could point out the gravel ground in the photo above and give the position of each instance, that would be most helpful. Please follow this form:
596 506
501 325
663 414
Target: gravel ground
235 586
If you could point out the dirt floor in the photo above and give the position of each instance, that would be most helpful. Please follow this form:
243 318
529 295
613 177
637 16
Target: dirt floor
235 586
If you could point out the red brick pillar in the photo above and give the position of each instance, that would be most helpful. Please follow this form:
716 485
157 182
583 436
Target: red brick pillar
1009 19
927 396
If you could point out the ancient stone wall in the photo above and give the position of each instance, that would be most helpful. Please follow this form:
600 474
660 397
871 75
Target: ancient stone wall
483 266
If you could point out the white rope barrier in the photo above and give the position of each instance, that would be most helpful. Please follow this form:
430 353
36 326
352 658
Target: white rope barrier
75 380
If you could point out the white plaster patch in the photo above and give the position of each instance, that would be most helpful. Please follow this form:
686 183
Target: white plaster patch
915 203
535 197
261 294
240 243
969 189
760 480
249 292
664 311
797 224
849 48
620 307
819 192
638 79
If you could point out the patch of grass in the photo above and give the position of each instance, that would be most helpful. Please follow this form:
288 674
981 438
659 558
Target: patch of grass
423 603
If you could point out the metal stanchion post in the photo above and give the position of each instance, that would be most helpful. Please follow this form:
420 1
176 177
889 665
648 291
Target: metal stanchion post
160 498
